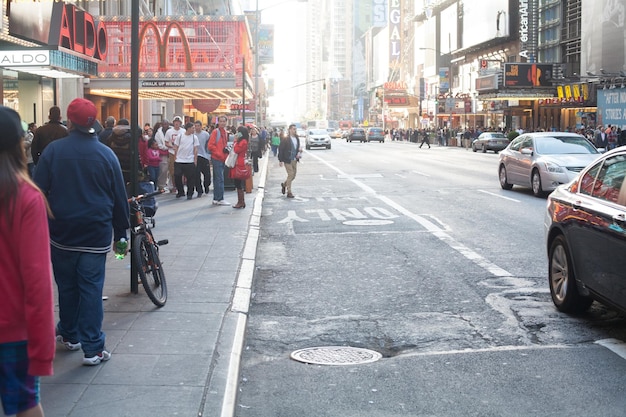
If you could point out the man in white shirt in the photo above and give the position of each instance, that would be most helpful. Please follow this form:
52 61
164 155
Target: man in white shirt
170 138
203 168
186 158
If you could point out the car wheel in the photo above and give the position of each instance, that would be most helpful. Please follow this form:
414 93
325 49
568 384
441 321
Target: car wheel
308 147
474 148
328 147
503 179
536 184
563 289
484 149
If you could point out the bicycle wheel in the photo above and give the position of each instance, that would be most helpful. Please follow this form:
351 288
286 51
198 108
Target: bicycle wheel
150 270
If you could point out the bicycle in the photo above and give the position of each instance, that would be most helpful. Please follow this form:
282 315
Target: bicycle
145 250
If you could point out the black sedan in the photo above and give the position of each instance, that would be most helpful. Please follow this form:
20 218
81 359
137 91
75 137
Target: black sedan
356 133
490 141
585 226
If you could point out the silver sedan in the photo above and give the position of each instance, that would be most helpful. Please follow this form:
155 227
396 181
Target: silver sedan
544 160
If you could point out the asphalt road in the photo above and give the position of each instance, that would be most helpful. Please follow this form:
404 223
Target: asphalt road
419 255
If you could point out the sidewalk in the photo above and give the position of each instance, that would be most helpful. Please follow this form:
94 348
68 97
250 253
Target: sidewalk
182 359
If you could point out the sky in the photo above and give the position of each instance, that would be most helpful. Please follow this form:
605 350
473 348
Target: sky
288 68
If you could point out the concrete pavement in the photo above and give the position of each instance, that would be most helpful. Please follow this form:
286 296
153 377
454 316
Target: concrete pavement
182 359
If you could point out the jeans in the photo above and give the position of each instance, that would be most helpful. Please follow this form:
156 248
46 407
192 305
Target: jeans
218 179
80 278
153 172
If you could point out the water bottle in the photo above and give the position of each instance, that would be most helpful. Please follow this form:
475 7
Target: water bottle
120 248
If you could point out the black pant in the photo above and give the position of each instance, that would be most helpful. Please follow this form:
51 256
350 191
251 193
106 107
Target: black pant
255 160
425 141
203 169
189 171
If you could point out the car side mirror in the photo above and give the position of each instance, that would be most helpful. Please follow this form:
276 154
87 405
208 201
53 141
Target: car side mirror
526 151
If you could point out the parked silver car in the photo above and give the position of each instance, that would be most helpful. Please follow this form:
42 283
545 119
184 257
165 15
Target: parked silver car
585 229
490 141
544 160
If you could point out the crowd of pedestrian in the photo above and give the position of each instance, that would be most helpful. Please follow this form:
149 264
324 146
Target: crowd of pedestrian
68 185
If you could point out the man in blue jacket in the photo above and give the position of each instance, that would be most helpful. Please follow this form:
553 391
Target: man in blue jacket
82 179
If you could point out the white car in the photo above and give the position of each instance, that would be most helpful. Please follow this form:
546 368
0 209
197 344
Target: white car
317 138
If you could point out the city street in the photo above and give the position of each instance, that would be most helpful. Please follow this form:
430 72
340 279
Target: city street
419 255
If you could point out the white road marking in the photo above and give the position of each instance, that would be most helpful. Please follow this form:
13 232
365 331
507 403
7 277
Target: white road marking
421 173
614 345
500 196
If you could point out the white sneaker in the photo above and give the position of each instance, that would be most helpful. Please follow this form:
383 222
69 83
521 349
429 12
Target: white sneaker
103 356
215 202
223 203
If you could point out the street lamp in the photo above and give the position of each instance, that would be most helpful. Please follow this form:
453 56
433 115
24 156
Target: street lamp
257 23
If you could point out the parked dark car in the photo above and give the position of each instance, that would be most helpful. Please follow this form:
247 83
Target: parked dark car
356 133
585 229
490 141
375 134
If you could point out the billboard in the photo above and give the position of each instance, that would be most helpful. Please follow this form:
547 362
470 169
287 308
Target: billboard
612 107
484 20
603 33
266 44
527 75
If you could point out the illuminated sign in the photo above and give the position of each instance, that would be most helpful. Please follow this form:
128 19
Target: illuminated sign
163 42
527 75
395 86
55 23
75 29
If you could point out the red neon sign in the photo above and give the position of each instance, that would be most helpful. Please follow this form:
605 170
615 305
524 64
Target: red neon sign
79 32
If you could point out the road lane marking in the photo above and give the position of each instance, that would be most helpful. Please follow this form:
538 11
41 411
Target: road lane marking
500 196
423 174
614 345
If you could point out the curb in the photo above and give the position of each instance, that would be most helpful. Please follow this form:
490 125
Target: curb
237 317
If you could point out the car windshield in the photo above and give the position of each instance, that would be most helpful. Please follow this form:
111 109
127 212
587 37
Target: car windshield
560 145
317 132
495 136
376 131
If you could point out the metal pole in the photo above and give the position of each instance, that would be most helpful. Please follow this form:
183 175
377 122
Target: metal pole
243 93
134 122
256 65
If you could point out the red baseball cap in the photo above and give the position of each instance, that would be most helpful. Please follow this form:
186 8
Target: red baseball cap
82 113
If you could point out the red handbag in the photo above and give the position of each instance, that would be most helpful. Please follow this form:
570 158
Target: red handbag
242 172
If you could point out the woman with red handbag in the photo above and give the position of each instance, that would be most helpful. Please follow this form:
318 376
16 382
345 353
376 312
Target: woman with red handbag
241 171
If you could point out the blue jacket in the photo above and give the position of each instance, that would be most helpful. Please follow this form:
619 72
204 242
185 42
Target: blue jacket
82 179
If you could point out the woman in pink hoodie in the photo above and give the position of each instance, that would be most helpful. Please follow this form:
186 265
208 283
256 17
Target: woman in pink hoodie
26 314
152 157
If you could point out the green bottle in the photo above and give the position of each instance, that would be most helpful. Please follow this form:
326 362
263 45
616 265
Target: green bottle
120 248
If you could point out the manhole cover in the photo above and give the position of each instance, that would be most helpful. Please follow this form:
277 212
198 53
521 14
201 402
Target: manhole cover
335 355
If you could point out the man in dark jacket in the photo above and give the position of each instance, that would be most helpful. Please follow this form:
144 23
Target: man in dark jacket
120 142
82 181
47 133
105 135
289 152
